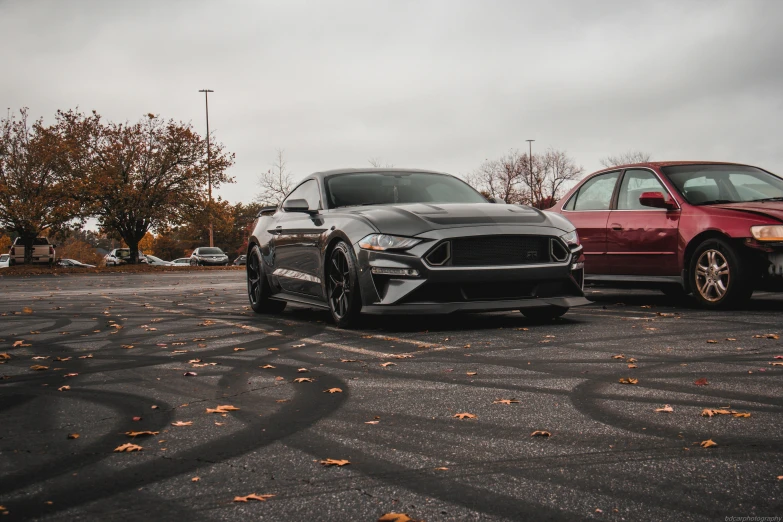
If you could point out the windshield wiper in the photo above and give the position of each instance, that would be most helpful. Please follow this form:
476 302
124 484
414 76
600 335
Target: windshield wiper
768 199
715 201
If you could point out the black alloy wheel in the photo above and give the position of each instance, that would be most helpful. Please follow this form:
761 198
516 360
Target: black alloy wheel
547 313
718 275
258 290
342 286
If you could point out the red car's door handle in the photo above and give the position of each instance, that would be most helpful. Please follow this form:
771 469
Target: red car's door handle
616 226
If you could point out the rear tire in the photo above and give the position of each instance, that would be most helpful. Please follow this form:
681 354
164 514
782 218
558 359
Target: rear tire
718 275
544 314
342 286
258 290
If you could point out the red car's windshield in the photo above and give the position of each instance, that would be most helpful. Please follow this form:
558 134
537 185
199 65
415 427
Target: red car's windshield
708 184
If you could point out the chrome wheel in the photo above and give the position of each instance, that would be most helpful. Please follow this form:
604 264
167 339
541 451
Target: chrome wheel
712 275
339 284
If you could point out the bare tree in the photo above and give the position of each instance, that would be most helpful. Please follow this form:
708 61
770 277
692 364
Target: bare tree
275 183
626 158
378 163
515 178
501 178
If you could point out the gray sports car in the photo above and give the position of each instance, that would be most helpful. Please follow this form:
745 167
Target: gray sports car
394 241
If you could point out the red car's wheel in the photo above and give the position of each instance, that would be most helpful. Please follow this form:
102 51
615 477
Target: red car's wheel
717 275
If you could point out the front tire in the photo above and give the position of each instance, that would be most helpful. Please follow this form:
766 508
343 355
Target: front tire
342 286
544 314
718 275
258 289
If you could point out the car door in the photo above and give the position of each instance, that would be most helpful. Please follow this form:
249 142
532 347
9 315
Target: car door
642 240
296 243
588 209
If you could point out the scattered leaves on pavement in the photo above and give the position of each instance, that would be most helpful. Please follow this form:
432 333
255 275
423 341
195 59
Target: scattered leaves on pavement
464 416
253 496
540 433
766 336
333 462
127 448
723 411
628 380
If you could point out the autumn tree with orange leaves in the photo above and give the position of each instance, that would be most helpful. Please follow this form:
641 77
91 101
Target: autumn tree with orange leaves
40 182
149 175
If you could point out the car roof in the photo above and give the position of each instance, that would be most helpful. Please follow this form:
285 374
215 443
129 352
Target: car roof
659 164
327 173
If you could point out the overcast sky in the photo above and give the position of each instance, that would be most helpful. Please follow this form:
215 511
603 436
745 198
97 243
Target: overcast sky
432 84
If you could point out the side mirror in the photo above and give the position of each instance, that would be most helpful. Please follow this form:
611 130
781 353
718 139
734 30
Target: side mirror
296 205
656 200
267 211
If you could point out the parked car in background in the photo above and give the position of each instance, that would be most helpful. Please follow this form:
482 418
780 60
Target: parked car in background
42 251
5 260
156 261
182 261
241 260
398 241
121 256
208 256
711 229
72 263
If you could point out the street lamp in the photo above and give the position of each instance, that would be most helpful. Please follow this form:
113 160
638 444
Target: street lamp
209 169
530 154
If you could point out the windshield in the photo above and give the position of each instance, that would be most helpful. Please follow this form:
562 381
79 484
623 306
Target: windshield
389 188
707 184
210 251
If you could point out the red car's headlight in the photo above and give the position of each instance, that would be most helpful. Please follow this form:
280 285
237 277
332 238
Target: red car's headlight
767 232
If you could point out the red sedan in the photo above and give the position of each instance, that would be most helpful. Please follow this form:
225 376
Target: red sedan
711 229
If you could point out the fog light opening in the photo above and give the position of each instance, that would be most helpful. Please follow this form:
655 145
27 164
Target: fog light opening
398 272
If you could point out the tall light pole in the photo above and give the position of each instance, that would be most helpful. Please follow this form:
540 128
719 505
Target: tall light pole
209 168
530 159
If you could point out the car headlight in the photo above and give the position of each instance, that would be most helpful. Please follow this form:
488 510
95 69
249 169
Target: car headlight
387 242
571 239
767 232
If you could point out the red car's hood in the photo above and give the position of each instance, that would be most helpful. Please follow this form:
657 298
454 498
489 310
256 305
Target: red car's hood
773 209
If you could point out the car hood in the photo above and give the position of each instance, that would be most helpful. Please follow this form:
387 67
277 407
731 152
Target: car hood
772 209
418 218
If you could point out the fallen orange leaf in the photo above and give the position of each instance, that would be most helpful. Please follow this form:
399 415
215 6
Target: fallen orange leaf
333 390
701 382
619 356
225 408
333 462
708 443
128 448
239 349
665 409
388 364
140 433
632 366
303 370
395 517
18 343
464 416
253 496
267 366
539 433
182 423
628 380
195 479
711 341
471 373
766 336
27 310
348 360
64 388
73 435
505 401
38 367
304 379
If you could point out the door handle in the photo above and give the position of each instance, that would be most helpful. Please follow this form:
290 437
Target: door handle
278 230
616 226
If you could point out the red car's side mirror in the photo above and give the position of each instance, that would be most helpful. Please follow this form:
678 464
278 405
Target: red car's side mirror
656 200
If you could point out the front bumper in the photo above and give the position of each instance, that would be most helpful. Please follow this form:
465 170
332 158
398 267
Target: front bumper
213 262
442 290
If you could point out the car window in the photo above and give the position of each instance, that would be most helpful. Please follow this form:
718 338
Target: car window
210 251
719 183
634 184
309 192
596 193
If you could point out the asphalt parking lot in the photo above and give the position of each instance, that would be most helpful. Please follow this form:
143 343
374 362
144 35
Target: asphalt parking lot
116 352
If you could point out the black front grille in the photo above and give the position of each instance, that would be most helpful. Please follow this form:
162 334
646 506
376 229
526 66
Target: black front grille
499 250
